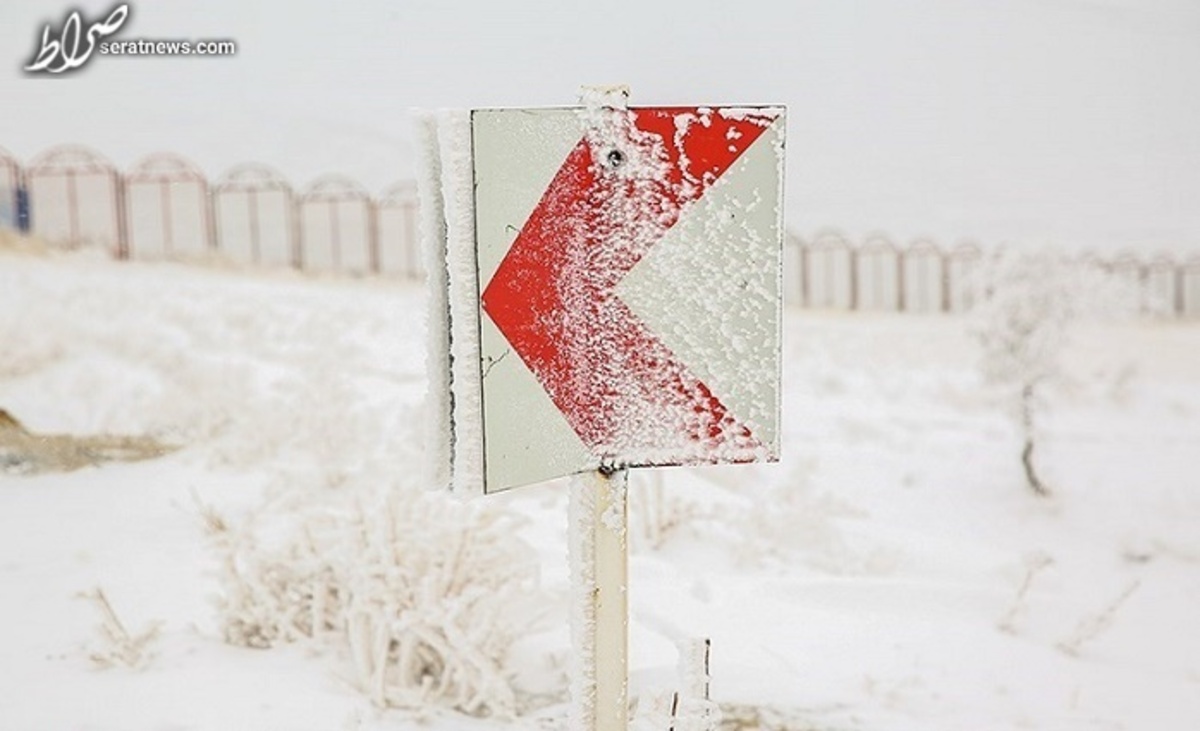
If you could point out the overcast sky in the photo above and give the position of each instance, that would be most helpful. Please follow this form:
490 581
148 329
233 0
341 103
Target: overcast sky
1035 121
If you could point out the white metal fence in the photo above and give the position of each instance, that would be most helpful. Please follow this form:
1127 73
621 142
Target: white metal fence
165 207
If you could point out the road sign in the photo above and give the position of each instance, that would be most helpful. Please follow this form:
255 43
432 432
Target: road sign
629 265
605 294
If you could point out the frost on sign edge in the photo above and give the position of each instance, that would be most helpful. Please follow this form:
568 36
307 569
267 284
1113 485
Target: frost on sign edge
454 136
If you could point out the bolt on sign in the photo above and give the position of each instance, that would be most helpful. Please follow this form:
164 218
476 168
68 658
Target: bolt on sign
627 266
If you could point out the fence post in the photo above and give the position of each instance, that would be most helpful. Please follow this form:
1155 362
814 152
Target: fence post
1143 275
852 255
72 210
410 239
805 297
335 236
208 200
1177 273
373 234
295 231
1191 273
945 264
24 210
121 213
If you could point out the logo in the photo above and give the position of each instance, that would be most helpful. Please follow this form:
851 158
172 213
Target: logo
74 45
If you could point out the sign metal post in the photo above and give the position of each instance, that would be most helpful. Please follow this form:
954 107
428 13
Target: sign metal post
599 550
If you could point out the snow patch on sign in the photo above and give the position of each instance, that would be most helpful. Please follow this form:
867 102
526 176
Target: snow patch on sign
666 415
454 137
761 116
552 297
528 444
710 288
516 155
643 161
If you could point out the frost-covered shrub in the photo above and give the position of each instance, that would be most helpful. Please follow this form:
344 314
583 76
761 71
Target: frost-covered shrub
27 348
790 521
117 646
657 512
265 373
31 338
1032 300
794 521
425 593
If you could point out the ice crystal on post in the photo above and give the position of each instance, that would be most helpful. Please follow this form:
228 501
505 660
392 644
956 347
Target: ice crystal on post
439 401
454 136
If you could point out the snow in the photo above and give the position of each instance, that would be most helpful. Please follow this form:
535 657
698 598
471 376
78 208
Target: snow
893 572
596 98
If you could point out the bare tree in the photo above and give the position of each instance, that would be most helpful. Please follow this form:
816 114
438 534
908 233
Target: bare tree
1032 302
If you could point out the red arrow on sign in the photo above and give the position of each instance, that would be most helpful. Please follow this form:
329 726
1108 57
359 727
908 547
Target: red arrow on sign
622 187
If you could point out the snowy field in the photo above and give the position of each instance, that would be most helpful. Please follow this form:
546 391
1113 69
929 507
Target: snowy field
894 573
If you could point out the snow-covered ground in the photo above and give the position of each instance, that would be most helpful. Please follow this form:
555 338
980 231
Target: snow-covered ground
892 573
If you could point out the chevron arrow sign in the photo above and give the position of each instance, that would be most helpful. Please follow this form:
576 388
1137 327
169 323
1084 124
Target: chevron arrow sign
629 265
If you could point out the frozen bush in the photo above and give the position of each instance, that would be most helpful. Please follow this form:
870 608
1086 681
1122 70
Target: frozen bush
1031 303
425 593
790 521
657 512
117 647
794 521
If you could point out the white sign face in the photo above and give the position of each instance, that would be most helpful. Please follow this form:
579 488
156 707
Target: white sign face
629 265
